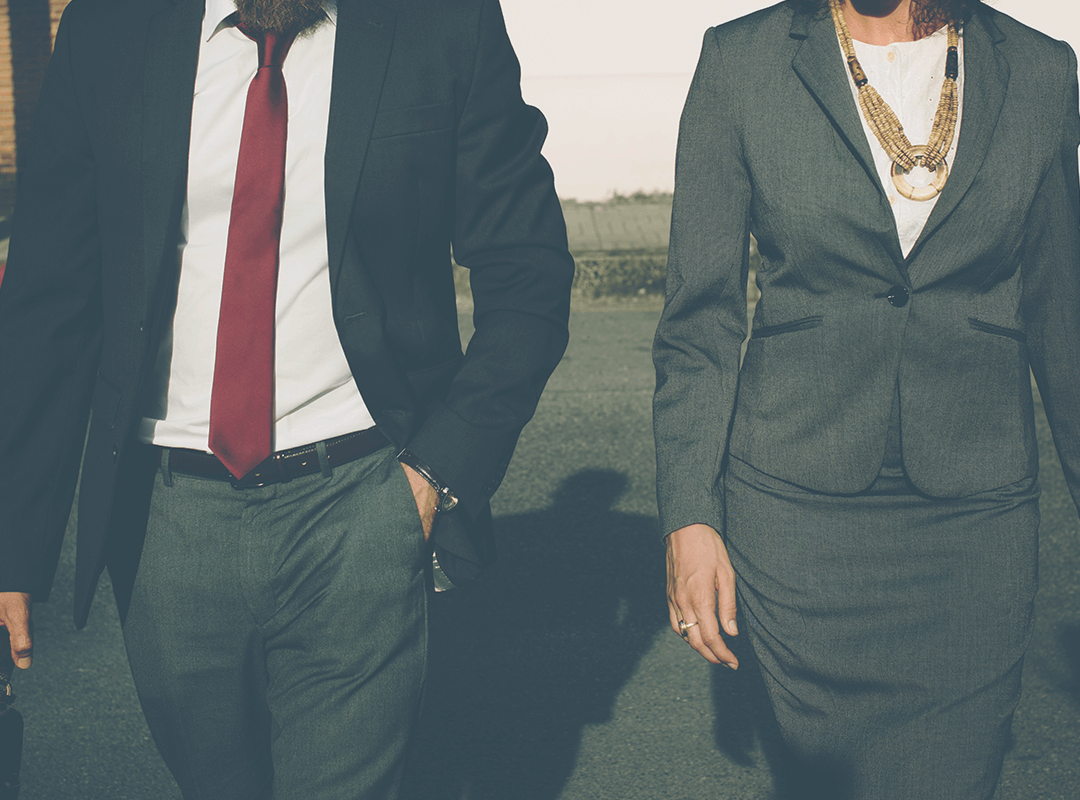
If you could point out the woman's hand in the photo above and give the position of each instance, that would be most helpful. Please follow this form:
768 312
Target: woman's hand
699 579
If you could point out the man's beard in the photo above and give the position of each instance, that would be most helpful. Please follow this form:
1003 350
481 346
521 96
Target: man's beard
280 16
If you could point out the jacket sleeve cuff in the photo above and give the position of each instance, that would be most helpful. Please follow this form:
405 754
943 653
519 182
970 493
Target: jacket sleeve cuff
471 459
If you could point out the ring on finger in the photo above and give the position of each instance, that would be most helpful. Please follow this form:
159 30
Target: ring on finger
684 628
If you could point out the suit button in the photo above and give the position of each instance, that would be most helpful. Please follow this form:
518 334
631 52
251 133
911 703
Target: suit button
898 296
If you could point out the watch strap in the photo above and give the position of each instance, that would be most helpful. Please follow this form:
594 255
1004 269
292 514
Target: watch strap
447 500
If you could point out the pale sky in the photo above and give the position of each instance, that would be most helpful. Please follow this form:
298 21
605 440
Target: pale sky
611 77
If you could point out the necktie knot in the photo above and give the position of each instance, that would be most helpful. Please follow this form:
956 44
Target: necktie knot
273 45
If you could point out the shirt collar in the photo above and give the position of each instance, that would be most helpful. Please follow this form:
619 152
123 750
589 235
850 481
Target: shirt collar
216 16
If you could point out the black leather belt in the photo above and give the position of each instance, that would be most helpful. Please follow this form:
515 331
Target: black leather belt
282 466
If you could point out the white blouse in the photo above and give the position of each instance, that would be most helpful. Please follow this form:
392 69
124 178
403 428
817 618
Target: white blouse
908 76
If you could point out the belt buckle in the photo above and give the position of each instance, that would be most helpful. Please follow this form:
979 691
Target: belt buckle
270 470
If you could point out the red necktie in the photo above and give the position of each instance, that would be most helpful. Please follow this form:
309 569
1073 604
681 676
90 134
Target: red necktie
242 402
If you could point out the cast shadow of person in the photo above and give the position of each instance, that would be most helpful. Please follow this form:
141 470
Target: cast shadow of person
745 730
540 647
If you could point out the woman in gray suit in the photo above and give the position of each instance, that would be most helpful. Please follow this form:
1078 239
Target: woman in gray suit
864 488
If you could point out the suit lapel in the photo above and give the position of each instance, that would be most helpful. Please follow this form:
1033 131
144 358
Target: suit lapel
365 35
365 31
364 39
986 79
820 65
172 47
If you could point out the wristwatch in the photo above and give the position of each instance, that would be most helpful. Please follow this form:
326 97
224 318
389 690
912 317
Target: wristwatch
447 501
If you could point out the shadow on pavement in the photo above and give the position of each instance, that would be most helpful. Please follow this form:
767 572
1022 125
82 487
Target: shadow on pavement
744 718
744 722
522 661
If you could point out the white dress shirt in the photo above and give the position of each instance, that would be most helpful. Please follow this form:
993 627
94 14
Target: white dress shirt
909 76
315 396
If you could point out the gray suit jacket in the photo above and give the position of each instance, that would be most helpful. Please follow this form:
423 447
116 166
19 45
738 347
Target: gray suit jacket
771 143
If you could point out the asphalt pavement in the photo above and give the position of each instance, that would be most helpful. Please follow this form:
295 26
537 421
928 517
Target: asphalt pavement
556 677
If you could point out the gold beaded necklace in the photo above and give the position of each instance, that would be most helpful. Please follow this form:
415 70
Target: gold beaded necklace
887 128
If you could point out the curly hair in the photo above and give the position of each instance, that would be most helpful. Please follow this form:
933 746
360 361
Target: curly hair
926 15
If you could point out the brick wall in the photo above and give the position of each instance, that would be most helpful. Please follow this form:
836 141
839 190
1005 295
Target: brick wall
27 30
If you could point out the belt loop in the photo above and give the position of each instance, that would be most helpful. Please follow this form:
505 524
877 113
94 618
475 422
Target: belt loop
324 459
166 473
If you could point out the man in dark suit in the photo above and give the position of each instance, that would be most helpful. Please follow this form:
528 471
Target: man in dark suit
232 251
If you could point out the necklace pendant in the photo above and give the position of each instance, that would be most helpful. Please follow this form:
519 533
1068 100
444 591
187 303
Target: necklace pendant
919 193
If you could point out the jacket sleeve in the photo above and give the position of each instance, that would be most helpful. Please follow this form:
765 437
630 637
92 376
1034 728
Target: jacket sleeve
509 231
50 322
1051 286
697 347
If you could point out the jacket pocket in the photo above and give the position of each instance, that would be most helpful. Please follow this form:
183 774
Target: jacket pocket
997 330
786 327
433 382
413 119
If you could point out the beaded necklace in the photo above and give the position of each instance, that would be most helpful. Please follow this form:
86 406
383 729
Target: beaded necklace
887 128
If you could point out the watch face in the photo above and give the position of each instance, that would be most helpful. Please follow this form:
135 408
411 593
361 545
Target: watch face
447 502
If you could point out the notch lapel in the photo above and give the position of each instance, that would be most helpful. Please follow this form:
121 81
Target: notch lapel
364 39
172 47
986 80
820 65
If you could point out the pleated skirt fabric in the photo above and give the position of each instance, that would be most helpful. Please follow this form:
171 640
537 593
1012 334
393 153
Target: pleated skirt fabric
890 627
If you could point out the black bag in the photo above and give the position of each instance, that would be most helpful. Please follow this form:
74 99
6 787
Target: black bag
11 726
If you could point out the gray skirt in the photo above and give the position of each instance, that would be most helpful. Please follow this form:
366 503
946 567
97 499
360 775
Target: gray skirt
890 627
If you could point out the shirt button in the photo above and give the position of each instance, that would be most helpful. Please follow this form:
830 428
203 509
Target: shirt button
891 55
897 296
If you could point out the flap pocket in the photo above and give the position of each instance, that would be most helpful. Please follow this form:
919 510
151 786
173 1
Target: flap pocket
997 330
415 119
786 327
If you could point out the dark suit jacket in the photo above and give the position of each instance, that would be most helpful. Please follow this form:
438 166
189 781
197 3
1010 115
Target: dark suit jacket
429 146
771 142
